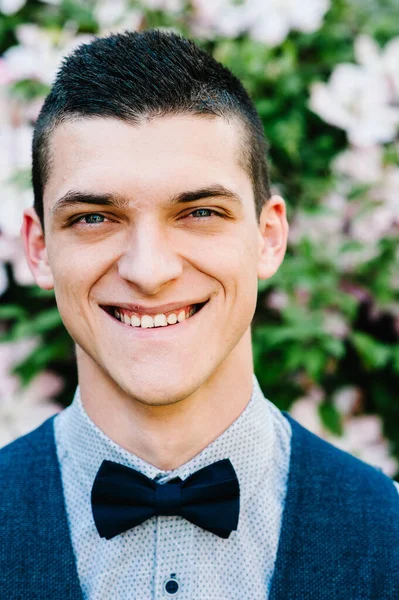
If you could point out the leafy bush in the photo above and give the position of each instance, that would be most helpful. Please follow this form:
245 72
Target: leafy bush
325 81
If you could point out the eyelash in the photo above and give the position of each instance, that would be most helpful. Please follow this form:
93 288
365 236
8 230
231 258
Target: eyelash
79 219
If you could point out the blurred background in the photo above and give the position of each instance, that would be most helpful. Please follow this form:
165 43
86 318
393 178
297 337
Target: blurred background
324 75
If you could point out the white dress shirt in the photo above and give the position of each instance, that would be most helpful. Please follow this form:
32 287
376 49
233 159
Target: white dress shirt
167 556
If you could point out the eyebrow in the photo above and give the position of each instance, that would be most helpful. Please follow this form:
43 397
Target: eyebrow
75 198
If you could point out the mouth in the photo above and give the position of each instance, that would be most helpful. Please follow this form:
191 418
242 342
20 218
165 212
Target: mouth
145 321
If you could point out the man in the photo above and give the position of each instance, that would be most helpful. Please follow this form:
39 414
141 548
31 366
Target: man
170 475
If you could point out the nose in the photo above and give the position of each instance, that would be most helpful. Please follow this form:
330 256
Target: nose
150 262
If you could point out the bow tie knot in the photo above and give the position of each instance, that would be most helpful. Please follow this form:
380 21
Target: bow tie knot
168 497
123 498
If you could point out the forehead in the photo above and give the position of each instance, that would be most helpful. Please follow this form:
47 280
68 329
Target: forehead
162 155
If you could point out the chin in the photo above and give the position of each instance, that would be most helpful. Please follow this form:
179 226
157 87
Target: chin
159 391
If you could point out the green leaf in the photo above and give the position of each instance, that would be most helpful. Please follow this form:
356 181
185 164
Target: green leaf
330 418
374 354
12 311
41 358
39 324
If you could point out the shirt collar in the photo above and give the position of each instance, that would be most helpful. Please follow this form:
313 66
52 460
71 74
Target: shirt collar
249 443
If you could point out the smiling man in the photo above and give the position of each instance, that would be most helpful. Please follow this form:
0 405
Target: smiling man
170 474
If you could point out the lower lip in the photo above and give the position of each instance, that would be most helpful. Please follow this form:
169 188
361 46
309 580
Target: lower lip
156 332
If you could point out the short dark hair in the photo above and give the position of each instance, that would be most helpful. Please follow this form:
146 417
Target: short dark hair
136 75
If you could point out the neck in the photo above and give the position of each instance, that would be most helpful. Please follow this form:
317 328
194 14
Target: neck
168 436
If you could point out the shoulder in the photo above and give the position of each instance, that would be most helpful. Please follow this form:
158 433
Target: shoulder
22 452
328 466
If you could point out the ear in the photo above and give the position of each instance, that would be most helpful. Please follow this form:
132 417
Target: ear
273 236
35 249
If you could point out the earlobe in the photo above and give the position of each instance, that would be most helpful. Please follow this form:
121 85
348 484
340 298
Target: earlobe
35 249
273 231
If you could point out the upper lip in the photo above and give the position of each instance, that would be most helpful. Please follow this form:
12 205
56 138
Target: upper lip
153 310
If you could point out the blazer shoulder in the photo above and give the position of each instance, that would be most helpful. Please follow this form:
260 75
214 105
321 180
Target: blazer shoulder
335 465
20 453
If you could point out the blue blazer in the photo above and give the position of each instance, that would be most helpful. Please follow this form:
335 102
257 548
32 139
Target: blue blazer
339 536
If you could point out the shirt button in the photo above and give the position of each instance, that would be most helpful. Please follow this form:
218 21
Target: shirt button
171 586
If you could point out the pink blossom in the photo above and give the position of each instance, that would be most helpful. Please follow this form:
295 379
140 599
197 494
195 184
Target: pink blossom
165 5
363 164
116 15
12 354
25 409
323 226
361 99
347 400
335 324
39 52
277 299
268 21
10 7
362 435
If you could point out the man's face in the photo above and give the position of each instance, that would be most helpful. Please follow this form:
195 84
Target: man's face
175 247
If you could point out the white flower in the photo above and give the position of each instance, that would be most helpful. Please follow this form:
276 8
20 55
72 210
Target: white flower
363 438
21 410
26 409
3 279
357 101
387 190
335 324
306 413
116 15
362 435
9 7
12 252
275 18
108 12
347 399
268 21
11 354
362 99
324 226
39 52
165 5
277 300
15 150
384 61
362 164
13 202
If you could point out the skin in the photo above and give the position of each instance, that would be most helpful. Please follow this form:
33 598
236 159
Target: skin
164 394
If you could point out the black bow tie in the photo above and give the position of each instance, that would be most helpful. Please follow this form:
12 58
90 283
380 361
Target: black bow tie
122 498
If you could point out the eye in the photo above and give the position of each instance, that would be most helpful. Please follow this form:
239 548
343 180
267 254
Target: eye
96 217
202 213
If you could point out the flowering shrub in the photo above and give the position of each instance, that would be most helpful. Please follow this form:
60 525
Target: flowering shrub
324 78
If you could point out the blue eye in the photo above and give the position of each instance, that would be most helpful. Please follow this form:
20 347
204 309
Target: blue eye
93 215
95 219
200 212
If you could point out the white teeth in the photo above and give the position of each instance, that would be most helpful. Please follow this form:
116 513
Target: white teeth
146 322
160 321
135 321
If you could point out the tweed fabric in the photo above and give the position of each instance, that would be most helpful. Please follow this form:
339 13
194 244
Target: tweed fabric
340 533
36 557
138 563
